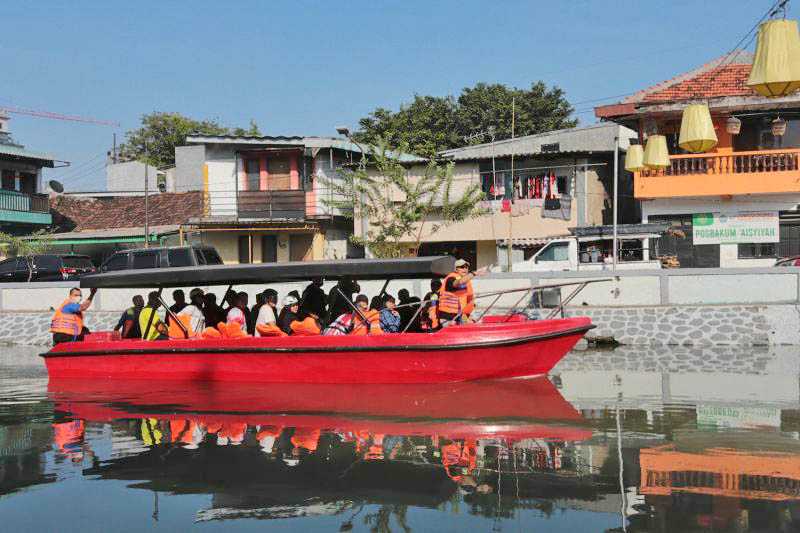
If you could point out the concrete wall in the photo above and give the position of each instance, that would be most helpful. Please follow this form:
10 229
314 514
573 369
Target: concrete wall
189 161
129 176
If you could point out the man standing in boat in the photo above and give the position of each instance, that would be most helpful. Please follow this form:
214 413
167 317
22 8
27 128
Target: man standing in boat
67 322
456 297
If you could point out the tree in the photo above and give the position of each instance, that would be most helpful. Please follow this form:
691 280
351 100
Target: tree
432 123
162 132
25 246
399 207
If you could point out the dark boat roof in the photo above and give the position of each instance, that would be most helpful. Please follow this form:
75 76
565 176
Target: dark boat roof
360 269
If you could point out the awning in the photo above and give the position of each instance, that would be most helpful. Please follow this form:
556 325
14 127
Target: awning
531 242
261 273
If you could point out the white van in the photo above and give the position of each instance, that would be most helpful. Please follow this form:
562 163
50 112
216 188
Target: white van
592 252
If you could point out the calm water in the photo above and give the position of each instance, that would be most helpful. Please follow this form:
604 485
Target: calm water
674 440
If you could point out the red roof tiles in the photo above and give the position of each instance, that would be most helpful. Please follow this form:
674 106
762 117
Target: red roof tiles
80 214
729 80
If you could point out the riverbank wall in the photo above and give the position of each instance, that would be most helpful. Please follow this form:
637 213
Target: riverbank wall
686 307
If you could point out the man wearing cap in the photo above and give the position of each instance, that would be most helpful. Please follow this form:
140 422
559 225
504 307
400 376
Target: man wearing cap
288 314
456 296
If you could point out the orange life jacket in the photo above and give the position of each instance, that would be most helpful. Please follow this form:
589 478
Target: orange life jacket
269 431
373 318
175 331
307 438
231 330
211 333
270 330
306 327
67 323
181 431
460 301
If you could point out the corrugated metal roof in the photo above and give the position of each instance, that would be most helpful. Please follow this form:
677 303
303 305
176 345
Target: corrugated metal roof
595 138
116 233
20 151
336 143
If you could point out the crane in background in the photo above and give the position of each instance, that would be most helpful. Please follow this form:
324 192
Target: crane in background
56 116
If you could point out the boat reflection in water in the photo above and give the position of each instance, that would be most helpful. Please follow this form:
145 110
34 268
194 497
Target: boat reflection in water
287 450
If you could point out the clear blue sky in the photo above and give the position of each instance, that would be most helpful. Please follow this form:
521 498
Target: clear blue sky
303 67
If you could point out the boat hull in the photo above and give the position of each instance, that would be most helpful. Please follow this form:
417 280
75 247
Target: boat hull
464 353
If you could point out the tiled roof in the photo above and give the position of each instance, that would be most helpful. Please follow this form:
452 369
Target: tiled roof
728 80
81 214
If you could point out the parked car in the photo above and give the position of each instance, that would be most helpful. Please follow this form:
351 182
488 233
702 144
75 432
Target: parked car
161 257
788 262
45 267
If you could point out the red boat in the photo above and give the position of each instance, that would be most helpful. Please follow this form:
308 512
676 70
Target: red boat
490 349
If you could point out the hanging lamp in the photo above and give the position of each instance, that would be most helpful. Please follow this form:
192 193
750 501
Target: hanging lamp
697 130
655 152
733 125
778 127
776 65
634 158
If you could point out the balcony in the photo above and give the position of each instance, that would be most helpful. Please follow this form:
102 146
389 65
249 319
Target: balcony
271 204
17 207
722 174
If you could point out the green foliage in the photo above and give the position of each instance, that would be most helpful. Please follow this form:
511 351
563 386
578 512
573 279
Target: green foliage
162 132
398 206
432 123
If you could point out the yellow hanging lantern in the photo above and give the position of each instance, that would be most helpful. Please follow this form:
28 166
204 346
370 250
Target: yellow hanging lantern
697 129
776 66
634 159
655 152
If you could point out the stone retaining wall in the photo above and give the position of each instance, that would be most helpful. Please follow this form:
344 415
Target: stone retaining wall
732 325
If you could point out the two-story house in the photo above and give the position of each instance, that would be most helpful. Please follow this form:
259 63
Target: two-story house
745 192
23 209
264 197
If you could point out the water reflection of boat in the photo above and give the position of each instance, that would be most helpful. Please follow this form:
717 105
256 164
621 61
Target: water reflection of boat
289 450
508 408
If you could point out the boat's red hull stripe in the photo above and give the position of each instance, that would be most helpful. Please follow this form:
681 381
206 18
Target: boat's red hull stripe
152 347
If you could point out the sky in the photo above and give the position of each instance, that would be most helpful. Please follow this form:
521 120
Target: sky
304 67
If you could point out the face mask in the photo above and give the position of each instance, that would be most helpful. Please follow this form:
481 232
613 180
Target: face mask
75 299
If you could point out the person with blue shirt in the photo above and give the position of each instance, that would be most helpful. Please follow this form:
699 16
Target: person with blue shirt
67 322
390 317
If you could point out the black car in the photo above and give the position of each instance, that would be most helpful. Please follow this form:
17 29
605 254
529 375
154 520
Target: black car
45 267
161 257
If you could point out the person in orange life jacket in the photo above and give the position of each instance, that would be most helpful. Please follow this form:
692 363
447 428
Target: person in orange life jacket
429 320
456 297
67 322
266 321
291 306
373 317
308 326
179 297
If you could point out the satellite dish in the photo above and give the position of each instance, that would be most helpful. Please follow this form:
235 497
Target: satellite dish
56 186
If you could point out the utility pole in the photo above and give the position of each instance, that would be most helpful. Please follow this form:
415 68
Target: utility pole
616 200
146 194
509 248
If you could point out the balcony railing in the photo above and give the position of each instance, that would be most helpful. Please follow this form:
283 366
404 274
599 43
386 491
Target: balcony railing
754 172
272 204
17 201
729 163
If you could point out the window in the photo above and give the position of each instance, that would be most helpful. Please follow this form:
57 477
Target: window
145 260
556 251
8 266
207 256
245 254
279 173
252 170
117 262
179 257
757 250
8 183
47 262
77 261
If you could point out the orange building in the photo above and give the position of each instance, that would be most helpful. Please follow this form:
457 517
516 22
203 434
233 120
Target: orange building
750 180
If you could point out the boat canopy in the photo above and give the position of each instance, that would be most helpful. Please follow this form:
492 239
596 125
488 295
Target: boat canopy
360 269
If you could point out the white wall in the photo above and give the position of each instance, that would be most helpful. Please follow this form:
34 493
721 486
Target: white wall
129 176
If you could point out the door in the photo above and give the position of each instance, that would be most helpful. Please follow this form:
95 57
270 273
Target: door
300 247
269 249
